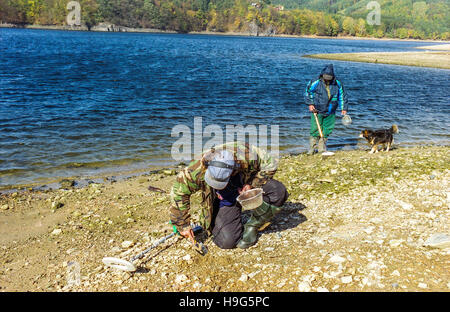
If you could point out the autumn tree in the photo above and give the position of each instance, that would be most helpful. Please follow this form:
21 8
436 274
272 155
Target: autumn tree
348 26
360 29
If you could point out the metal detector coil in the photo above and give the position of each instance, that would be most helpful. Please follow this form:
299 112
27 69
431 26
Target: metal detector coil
119 264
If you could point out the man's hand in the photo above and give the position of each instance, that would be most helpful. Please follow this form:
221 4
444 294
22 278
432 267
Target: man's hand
344 113
188 233
312 109
245 188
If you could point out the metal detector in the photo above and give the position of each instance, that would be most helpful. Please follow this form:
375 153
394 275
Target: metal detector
129 266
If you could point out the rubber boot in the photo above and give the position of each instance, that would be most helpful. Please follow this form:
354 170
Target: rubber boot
260 216
312 145
322 145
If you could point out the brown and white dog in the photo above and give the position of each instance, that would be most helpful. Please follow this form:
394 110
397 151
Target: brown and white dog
383 137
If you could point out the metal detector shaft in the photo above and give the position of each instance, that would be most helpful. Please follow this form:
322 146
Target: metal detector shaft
162 240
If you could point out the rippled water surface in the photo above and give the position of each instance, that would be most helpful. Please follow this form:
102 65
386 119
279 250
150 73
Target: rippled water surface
74 103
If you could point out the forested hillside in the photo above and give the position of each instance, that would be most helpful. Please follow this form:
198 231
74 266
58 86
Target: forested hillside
399 18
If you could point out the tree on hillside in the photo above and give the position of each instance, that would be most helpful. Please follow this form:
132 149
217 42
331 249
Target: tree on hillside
150 15
360 29
5 11
89 13
17 12
34 9
420 10
348 26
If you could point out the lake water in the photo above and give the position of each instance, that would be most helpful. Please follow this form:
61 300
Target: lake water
79 103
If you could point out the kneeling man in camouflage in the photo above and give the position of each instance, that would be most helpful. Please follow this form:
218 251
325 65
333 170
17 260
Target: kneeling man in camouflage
221 174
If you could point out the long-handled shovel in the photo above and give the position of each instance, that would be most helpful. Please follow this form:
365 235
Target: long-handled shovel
125 265
318 125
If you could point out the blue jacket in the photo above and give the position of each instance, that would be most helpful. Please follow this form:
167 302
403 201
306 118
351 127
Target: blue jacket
317 95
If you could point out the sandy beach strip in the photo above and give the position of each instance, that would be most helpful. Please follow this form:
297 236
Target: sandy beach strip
435 59
437 47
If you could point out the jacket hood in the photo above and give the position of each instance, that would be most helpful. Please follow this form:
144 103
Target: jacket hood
329 70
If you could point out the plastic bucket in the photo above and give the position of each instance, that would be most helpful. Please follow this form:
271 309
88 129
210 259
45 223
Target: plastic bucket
346 120
251 199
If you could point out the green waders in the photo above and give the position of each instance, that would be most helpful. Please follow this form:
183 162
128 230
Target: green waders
260 216
322 145
312 144
327 124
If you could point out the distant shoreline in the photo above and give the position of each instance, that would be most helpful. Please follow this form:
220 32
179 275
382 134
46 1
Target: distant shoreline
114 28
430 59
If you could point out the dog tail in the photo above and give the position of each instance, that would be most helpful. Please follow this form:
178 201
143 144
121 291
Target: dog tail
394 129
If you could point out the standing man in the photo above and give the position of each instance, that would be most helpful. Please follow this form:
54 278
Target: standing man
324 96
221 175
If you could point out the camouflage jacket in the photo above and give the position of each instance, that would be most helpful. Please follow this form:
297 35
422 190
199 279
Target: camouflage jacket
256 167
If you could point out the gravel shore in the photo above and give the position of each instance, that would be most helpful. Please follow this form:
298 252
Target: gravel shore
354 222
